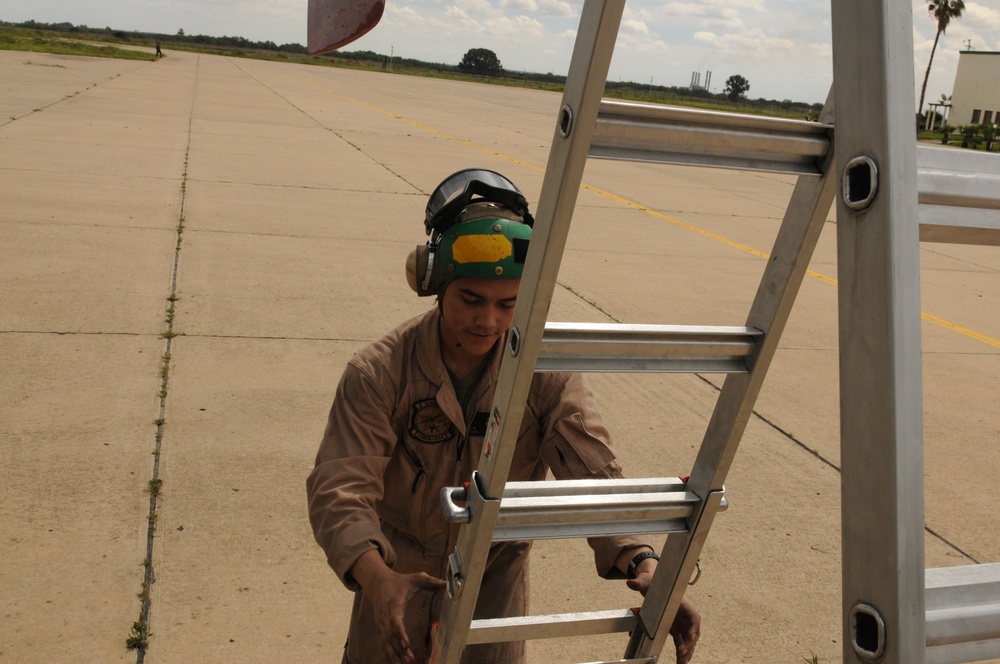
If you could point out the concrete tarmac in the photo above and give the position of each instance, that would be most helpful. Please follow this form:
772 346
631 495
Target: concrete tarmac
192 248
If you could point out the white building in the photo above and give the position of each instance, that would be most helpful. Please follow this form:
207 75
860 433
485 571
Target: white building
976 96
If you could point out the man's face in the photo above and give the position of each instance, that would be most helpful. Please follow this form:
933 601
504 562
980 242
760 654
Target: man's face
476 312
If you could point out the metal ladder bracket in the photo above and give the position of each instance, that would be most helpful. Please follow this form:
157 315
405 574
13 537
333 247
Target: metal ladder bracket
476 506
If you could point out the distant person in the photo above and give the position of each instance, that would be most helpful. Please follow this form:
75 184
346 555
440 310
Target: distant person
410 416
159 53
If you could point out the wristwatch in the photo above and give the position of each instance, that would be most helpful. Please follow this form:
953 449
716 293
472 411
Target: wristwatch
638 559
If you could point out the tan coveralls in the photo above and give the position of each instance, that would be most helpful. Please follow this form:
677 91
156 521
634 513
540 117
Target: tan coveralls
396 436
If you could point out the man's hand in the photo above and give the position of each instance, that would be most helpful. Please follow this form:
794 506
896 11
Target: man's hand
685 630
687 623
389 594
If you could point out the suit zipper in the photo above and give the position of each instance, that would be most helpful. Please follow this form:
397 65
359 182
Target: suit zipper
416 464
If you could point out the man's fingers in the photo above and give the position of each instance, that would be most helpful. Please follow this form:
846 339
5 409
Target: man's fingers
428 582
640 583
685 644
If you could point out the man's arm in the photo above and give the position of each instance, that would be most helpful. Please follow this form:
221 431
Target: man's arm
347 481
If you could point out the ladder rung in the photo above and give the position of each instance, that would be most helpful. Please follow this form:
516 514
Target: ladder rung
521 628
672 135
645 348
695 137
589 508
561 509
531 489
958 190
959 194
963 613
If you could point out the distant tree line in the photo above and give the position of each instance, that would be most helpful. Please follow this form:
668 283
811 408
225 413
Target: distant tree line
179 38
477 62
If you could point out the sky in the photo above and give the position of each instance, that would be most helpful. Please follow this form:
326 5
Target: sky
782 47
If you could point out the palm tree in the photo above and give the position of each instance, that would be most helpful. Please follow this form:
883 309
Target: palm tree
941 11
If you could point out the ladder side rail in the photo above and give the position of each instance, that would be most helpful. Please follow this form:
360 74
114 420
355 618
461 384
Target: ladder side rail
882 502
800 230
589 67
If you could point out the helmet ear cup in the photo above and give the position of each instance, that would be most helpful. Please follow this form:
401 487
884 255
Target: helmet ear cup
416 268
418 264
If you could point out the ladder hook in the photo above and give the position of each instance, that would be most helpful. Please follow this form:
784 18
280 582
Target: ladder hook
697 574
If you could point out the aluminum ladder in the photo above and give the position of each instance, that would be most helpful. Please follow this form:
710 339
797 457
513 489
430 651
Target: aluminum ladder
493 510
958 196
893 609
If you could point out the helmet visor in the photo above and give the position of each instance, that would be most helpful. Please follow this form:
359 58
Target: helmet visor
459 189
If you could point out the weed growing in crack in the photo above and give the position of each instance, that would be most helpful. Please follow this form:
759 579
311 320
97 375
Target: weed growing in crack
138 638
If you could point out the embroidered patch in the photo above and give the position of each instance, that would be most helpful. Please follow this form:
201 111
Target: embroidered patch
428 424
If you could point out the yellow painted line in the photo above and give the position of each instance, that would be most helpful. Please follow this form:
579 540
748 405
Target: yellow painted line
954 327
678 222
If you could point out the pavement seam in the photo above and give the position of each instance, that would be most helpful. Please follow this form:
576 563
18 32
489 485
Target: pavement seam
138 638
327 128
39 109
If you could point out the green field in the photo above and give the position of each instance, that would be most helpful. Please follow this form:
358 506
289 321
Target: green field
38 41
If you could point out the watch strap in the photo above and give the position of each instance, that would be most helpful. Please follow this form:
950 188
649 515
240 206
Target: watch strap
638 559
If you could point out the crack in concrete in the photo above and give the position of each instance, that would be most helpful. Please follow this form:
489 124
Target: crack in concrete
141 627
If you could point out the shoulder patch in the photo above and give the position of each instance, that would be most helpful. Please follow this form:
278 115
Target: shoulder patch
428 423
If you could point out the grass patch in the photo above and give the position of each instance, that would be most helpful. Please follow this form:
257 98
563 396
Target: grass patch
37 41
138 638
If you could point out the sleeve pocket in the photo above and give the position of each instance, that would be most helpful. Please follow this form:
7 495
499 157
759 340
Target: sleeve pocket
579 452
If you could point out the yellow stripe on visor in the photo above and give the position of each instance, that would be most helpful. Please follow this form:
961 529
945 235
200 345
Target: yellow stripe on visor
481 248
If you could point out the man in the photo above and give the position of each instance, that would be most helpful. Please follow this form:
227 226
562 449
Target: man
409 418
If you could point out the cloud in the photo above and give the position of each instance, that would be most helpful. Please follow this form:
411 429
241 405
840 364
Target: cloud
752 44
554 8
633 27
983 17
